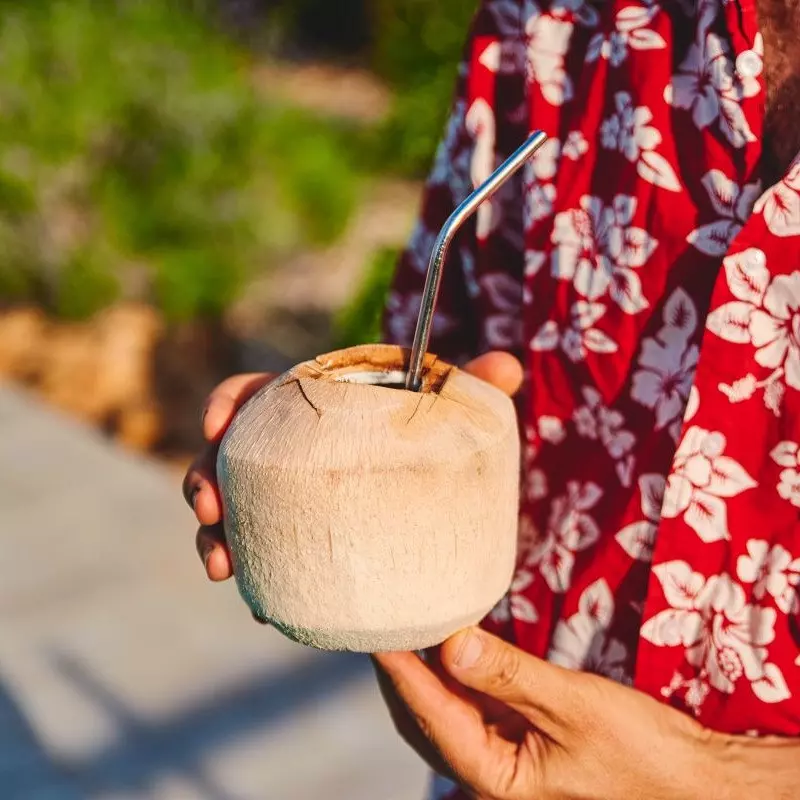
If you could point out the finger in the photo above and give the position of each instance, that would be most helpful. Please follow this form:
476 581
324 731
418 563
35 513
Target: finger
543 693
407 726
214 553
223 403
200 488
449 723
498 368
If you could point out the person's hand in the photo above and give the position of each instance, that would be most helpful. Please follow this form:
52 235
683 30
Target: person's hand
508 726
200 483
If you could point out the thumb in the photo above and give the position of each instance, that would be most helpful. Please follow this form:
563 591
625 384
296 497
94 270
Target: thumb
498 368
541 692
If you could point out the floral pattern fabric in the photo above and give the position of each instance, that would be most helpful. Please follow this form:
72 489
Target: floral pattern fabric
651 287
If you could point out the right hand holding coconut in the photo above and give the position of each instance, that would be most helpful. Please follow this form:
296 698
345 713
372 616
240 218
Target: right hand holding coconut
200 484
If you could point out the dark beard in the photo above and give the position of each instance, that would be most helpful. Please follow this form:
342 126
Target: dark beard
780 26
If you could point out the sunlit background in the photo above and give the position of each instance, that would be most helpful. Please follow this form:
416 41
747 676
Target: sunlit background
187 190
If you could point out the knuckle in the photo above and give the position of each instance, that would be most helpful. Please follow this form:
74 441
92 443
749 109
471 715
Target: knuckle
424 727
507 670
191 482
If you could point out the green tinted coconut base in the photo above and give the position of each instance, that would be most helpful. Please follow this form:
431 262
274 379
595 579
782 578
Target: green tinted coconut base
377 641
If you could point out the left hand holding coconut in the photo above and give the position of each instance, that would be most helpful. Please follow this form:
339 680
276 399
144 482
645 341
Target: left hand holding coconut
201 488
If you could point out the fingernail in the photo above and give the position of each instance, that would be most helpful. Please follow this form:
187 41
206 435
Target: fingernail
203 416
193 496
206 554
469 652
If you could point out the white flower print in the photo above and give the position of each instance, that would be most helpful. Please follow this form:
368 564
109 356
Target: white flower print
551 429
538 173
775 328
581 642
508 16
631 32
724 637
540 194
787 455
491 57
696 693
548 37
629 132
535 485
667 364
598 249
766 314
539 202
544 164
403 311
733 204
575 145
533 481
579 337
706 84
515 605
480 124
695 690
773 571
548 40
503 327
638 538
693 404
780 205
702 478
744 388
597 422
789 486
570 529
534 261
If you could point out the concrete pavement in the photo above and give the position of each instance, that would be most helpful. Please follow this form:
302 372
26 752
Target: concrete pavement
124 674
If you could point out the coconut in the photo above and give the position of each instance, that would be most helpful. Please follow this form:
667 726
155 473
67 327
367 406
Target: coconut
364 517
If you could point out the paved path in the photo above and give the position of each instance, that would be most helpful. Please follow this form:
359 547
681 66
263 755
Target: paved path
123 674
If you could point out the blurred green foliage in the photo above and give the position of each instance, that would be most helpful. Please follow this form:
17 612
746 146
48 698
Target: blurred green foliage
414 45
340 29
359 322
136 160
417 45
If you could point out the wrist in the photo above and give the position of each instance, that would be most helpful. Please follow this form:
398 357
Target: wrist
739 767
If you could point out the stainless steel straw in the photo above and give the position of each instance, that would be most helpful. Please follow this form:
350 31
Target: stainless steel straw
433 280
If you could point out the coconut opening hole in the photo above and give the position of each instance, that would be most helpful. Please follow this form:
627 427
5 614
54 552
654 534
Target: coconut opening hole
393 379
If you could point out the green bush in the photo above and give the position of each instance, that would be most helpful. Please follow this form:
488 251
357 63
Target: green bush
414 45
136 160
359 322
339 29
417 48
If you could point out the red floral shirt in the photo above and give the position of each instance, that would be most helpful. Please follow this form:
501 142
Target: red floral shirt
652 289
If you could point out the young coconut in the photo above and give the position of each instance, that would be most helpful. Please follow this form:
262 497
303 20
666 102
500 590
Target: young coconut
370 496
362 516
